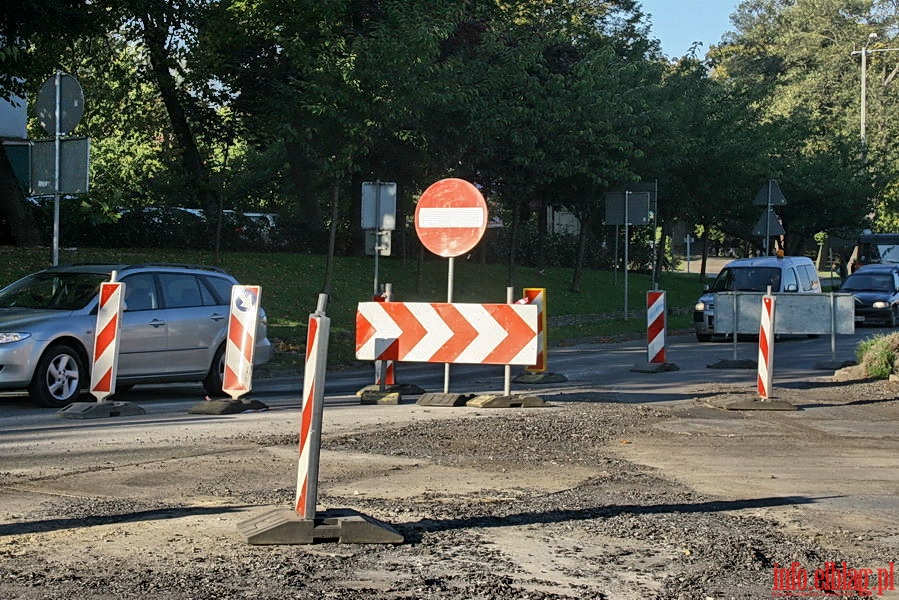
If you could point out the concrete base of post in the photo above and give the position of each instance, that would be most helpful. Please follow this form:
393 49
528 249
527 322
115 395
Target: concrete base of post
342 525
379 397
654 368
403 389
225 407
491 401
734 364
538 378
759 404
97 410
439 399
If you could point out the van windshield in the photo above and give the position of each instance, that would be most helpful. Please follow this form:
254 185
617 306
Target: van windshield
747 279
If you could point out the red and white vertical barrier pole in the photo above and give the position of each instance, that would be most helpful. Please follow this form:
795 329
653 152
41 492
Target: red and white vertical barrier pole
656 324
384 370
766 347
537 296
106 339
313 406
241 343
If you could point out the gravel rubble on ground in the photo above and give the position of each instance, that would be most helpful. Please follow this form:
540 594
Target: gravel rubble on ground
619 531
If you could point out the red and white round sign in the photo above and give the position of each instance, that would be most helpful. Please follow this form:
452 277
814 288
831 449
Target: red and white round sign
451 217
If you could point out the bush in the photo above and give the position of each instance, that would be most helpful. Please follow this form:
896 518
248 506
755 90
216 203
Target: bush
879 355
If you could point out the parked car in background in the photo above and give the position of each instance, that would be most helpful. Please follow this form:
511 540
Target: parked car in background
174 327
876 291
781 274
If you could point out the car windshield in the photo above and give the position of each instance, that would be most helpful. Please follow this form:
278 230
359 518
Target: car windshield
55 291
880 282
747 279
888 252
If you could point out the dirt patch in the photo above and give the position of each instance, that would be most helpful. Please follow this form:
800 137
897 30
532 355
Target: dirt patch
583 499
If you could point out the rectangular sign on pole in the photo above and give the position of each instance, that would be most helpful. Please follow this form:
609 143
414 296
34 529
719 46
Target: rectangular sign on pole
379 205
627 208
74 158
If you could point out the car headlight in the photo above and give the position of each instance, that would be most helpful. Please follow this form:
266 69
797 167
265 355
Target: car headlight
699 307
9 337
881 304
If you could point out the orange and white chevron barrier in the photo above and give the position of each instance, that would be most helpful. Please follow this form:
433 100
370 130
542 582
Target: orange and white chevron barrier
241 342
498 334
766 348
313 407
106 339
656 324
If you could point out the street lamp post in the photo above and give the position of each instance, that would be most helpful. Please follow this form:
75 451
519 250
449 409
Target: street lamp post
864 95
864 52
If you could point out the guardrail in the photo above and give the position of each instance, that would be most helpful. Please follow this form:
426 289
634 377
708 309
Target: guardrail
797 314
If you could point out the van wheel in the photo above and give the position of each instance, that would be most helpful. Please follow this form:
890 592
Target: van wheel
894 317
216 375
58 377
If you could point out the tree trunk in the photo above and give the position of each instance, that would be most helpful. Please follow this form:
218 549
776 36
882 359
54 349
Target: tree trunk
194 167
585 220
307 204
705 251
513 244
542 232
332 239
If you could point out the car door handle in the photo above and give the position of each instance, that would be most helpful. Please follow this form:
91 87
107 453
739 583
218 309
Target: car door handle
156 323
217 317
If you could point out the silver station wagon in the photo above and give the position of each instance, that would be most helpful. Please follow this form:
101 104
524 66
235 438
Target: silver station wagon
174 327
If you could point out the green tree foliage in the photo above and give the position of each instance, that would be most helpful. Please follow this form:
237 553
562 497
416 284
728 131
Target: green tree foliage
793 60
288 106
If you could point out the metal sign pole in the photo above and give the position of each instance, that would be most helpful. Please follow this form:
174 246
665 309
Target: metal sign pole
507 379
768 221
377 231
56 152
736 323
627 197
449 299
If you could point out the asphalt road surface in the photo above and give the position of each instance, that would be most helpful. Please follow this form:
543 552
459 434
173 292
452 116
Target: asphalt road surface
629 485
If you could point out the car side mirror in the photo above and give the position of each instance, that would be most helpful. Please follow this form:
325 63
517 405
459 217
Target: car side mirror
706 287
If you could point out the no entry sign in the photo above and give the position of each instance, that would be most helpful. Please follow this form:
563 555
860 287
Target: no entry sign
451 217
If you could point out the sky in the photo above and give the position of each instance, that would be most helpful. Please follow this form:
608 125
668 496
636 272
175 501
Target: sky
679 23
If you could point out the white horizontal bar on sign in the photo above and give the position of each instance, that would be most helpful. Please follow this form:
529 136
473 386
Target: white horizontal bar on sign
450 217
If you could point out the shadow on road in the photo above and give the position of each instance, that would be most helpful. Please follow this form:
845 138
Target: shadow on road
412 530
129 517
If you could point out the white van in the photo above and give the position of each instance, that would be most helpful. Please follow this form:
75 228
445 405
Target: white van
783 274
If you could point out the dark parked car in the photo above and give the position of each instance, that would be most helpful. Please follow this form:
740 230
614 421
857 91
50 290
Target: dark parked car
174 325
876 291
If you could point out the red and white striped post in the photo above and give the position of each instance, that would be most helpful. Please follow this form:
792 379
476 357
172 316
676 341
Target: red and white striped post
313 406
241 343
766 347
384 369
656 324
106 339
537 297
